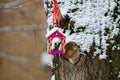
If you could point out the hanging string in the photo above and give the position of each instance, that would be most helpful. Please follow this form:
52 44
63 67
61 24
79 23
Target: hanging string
56 19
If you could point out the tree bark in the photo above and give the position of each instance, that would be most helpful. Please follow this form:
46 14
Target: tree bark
91 68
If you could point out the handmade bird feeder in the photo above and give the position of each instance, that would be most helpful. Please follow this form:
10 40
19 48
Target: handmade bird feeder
56 41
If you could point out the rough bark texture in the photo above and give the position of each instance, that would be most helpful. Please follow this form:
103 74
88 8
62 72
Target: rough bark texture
89 67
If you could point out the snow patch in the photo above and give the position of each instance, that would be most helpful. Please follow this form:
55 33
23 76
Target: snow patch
47 59
53 77
103 56
119 75
110 61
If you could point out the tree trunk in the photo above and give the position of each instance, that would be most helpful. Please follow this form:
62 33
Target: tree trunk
91 68
85 69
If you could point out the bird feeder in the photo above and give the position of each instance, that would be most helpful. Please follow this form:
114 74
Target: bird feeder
56 41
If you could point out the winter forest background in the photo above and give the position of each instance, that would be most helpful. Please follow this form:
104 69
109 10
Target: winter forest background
93 24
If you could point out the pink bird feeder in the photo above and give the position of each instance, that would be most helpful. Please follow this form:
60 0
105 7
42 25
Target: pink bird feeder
56 41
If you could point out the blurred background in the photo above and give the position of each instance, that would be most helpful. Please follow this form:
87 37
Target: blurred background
22 40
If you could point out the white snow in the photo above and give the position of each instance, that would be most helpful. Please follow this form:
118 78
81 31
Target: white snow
110 61
46 59
118 48
113 48
53 30
53 77
119 75
103 56
90 15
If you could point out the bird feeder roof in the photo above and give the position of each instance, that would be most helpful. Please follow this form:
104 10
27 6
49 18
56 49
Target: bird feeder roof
52 31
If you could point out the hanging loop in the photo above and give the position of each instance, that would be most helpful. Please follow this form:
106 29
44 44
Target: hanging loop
56 20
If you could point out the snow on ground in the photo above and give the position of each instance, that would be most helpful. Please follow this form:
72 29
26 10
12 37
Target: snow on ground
90 15
53 77
119 75
46 59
